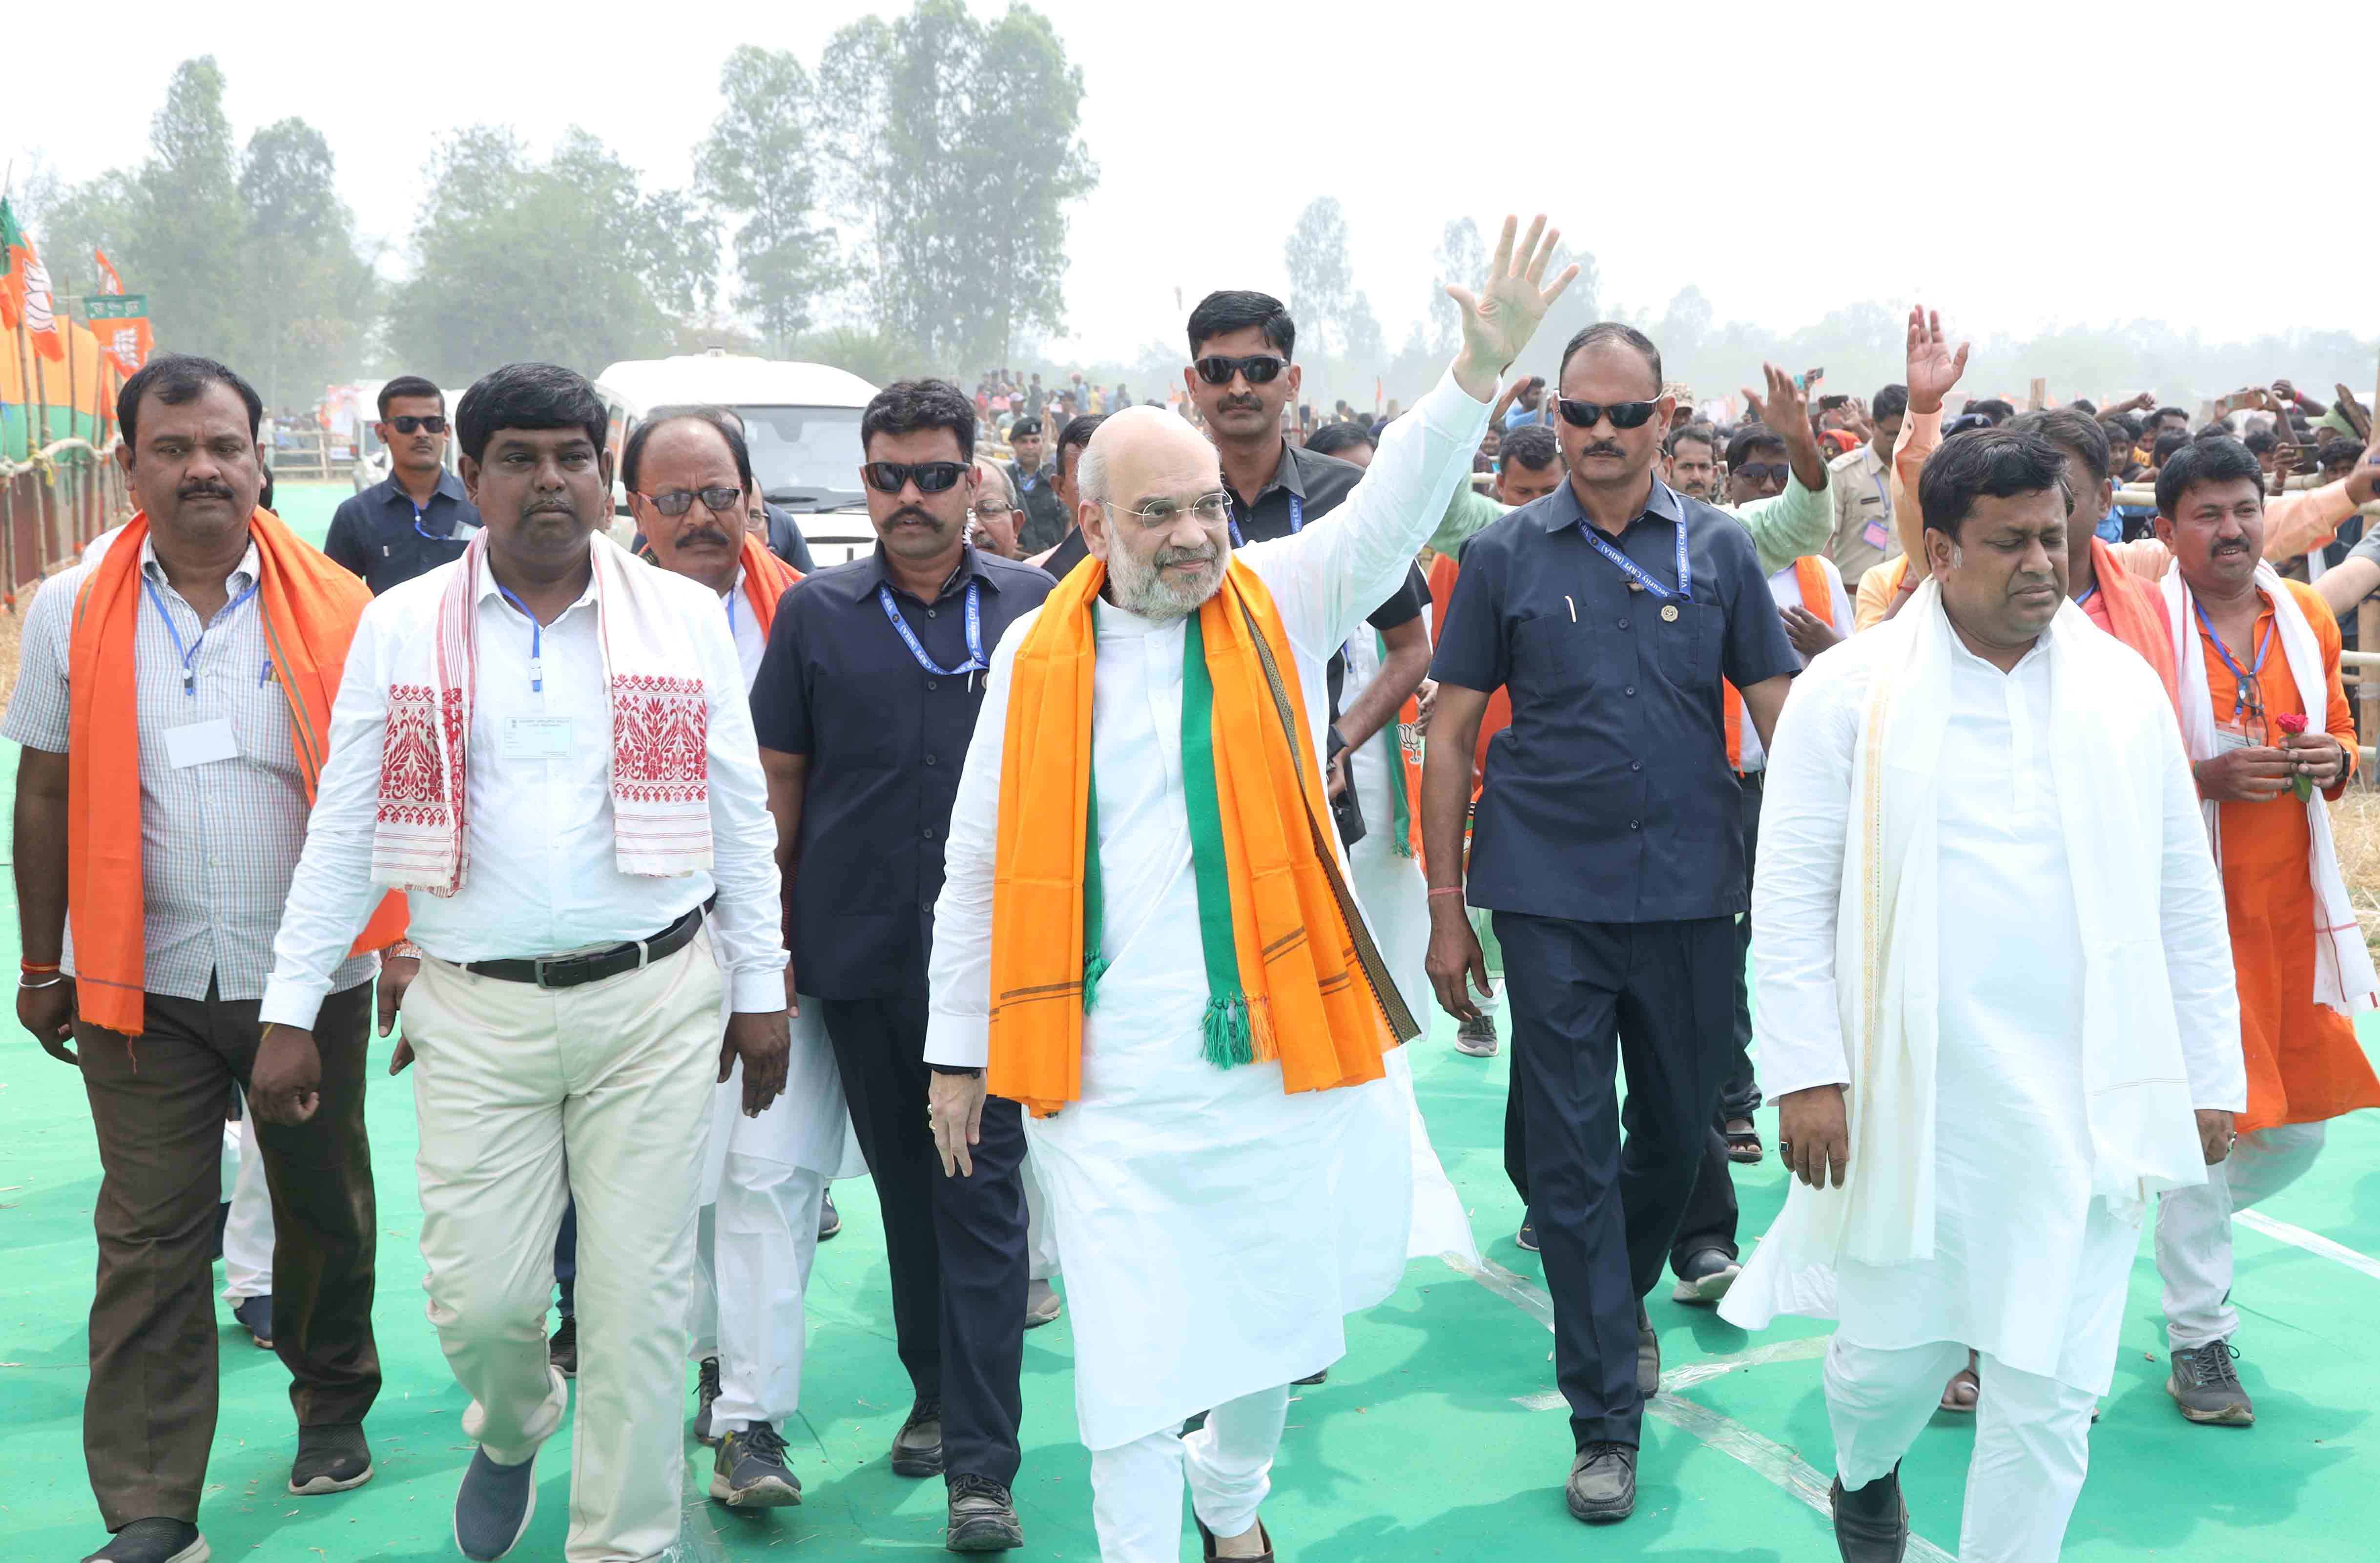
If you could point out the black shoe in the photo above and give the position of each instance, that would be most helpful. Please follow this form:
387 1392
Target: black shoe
1527 1236
255 1316
830 1220
1602 1483
1872 1525
153 1541
1706 1275
1648 1355
493 1506
918 1447
330 1460
1207 1541
563 1350
706 1394
1313 1378
750 1471
982 1516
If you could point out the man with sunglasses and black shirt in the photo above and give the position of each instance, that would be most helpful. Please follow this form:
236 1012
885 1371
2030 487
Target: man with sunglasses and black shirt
1609 844
419 516
864 706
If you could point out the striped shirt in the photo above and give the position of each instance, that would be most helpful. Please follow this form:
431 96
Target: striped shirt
219 841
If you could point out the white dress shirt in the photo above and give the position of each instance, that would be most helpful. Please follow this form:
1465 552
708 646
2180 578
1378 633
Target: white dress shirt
541 878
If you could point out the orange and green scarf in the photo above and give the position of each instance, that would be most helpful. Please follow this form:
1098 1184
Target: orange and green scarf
1291 974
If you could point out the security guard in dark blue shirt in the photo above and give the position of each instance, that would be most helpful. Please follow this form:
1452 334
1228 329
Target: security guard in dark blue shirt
1609 842
419 516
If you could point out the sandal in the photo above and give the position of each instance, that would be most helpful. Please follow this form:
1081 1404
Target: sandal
1959 1395
1743 1144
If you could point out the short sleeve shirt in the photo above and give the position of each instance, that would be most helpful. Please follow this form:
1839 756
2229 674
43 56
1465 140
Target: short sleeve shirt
885 739
1610 798
380 536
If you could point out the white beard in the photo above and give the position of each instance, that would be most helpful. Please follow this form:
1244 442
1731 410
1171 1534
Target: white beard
1141 587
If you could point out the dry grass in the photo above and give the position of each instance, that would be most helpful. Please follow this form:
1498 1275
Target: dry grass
2355 827
11 625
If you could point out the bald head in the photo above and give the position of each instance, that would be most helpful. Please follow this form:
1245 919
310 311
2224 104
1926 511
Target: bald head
1144 453
1140 460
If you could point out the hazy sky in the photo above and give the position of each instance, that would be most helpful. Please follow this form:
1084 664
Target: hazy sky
2019 166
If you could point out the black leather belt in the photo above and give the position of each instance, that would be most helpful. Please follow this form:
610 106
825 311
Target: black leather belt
573 970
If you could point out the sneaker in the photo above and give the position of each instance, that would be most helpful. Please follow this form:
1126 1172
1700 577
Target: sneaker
1872 1525
1476 1037
493 1506
1527 1236
706 1393
1648 1360
750 1470
982 1516
1602 1484
918 1447
1314 1379
1706 1275
2206 1387
563 1350
331 1458
255 1315
153 1541
1042 1305
830 1219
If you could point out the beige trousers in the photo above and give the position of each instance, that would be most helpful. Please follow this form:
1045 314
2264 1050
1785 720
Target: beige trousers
528 1097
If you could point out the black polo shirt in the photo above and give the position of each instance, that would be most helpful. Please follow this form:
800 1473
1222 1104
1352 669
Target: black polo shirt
1610 798
375 533
1045 519
885 739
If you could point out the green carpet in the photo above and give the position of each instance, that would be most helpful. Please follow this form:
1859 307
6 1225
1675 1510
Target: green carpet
1418 1447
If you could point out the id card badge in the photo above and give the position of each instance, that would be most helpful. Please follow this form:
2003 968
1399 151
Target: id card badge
2243 731
200 743
1878 534
537 737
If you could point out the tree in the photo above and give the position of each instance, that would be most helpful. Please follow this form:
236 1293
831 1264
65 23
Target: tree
855 162
1321 278
1461 258
760 165
320 295
188 220
568 262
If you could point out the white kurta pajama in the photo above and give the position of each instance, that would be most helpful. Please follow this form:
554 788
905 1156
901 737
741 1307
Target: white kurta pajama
1214 1230
2027 1005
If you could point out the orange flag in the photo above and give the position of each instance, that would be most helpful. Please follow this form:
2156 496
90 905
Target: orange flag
25 289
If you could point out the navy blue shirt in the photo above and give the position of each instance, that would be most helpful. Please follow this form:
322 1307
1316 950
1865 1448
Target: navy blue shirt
1610 798
885 739
378 535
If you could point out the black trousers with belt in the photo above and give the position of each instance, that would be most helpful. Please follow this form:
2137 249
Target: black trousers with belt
1584 997
1740 1098
955 1246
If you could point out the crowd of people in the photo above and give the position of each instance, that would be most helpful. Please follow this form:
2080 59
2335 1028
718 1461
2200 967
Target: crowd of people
1127 811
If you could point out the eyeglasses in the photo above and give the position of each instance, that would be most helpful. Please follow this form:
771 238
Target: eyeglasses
932 477
409 423
993 509
1210 509
1624 414
1261 369
1761 471
678 501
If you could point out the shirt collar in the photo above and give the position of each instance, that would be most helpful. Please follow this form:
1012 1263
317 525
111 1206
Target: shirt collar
243 576
488 587
1662 504
970 564
449 487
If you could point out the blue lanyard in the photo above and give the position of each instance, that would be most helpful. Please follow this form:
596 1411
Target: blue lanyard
975 662
2083 601
731 610
1028 482
1882 492
2245 675
190 654
1296 521
536 641
1637 572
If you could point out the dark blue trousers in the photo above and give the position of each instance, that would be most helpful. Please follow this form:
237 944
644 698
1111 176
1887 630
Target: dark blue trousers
1587 996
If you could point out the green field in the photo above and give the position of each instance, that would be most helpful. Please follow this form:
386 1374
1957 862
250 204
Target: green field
1433 1439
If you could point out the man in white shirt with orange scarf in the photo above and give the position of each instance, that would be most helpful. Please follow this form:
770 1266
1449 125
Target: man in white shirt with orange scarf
1147 932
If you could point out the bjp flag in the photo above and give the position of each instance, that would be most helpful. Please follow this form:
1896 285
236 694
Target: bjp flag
25 289
108 280
121 324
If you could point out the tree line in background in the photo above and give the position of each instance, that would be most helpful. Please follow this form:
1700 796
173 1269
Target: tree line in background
901 208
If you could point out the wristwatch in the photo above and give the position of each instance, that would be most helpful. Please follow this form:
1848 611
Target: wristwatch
954 1069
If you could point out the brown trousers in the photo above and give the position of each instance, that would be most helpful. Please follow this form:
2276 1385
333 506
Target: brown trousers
158 1102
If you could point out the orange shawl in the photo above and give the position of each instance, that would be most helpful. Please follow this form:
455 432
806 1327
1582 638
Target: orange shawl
1311 1005
765 579
1819 599
2136 615
309 608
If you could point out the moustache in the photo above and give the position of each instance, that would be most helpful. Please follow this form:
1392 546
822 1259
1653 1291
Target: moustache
1164 559
1239 404
911 513
1601 447
203 491
709 537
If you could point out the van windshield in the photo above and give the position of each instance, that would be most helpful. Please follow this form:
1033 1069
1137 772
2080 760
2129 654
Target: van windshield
805 458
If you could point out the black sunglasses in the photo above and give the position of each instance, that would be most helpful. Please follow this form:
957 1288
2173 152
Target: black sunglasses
932 477
1262 369
1624 414
1761 471
408 424
720 500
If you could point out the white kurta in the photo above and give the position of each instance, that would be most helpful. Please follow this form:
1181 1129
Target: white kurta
2026 1262
1214 1230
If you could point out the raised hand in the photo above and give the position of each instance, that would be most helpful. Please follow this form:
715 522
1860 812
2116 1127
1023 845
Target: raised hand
1499 319
1934 369
1786 409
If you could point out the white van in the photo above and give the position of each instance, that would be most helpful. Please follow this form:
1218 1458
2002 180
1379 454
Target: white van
800 419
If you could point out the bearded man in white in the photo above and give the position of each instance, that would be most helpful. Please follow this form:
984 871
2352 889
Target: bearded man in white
1995 986
1146 931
